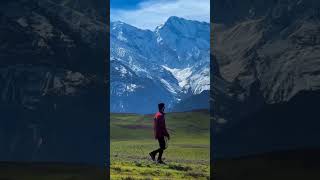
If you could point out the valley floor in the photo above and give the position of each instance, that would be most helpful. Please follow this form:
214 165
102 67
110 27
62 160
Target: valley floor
187 155
183 161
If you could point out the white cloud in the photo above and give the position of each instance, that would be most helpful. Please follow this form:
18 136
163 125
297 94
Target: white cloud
150 14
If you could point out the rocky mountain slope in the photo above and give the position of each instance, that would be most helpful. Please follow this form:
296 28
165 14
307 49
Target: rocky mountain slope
167 65
52 91
268 57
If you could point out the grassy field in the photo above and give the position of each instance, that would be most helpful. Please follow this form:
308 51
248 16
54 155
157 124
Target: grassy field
187 156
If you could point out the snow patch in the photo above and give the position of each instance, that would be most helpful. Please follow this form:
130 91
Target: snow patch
169 87
159 39
181 75
121 52
131 87
200 81
123 71
120 37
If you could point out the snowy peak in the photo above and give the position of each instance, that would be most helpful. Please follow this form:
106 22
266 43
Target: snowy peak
178 22
119 25
170 63
184 27
187 40
175 21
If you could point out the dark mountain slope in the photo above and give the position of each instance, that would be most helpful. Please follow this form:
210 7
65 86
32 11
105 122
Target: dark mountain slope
266 62
52 91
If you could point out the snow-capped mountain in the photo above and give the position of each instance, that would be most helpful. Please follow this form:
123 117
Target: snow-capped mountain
167 65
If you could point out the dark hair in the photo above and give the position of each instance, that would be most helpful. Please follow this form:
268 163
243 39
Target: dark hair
160 106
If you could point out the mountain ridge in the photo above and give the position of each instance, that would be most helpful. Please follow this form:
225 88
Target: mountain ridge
52 81
172 56
266 63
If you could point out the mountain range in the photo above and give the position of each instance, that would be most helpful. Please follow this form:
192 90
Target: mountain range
169 64
265 77
53 88
266 82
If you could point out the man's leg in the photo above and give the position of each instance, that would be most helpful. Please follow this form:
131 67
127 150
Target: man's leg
154 153
160 154
162 145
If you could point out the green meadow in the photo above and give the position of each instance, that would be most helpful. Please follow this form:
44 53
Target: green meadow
187 155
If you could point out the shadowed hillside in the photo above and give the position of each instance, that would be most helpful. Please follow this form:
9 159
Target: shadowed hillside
52 82
265 89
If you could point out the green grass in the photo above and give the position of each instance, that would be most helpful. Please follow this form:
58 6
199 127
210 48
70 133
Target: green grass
187 156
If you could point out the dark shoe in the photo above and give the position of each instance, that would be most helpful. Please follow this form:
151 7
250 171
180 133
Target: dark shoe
153 157
161 162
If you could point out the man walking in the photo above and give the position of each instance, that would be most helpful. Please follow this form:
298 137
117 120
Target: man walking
160 132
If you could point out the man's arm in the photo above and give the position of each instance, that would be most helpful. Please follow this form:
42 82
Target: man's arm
165 129
155 127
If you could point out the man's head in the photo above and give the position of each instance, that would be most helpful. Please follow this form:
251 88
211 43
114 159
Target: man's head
161 107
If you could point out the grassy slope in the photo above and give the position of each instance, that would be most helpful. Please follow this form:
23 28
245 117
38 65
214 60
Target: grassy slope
187 156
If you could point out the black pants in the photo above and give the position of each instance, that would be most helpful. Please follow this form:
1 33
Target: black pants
162 144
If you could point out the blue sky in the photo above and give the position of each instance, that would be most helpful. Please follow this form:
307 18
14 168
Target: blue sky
125 4
147 14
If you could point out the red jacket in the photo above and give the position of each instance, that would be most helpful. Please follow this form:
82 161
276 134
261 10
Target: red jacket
159 126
